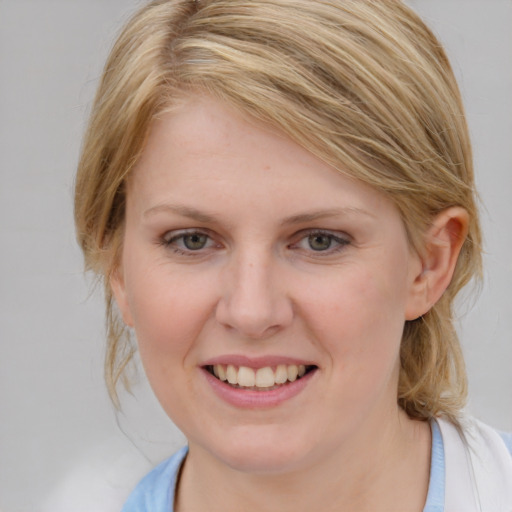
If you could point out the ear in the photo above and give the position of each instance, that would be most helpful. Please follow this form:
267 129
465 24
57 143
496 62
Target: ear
117 284
442 245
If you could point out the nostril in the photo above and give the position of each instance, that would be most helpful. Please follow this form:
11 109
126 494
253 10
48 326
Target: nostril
255 323
252 302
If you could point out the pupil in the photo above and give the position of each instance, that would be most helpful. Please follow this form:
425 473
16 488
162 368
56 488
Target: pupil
319 242
194 241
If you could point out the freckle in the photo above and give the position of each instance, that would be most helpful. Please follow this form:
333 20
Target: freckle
266 168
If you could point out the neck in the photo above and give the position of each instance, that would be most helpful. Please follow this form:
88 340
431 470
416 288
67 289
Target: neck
371 472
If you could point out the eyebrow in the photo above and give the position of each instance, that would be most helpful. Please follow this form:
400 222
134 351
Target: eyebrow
322 214
182 210
205 217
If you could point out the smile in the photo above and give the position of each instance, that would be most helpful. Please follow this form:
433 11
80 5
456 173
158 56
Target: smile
261 379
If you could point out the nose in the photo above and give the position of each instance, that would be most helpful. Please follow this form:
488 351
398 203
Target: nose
254 301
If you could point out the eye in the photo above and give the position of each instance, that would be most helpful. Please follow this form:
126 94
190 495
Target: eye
322 241
195 241
186 242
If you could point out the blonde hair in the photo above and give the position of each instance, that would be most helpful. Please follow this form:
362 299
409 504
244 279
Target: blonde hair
362 84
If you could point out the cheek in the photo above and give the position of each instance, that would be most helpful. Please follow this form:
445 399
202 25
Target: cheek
168 319
359 316
168 311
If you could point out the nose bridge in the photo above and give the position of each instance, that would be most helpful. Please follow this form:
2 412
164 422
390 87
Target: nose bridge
254 300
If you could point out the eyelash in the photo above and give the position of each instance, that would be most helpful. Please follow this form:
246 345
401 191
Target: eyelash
171 243
340 241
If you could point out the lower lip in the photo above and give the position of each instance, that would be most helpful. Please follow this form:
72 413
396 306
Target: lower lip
251 399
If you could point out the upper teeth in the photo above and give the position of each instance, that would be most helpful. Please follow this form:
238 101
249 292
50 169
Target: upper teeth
265 377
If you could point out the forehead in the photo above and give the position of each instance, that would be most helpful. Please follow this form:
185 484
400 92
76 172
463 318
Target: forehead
203 151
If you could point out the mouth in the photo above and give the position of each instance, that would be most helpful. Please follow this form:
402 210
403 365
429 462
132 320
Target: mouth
261 379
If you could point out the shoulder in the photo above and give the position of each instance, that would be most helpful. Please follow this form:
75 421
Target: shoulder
476 430
100 480
478 466
155 491
479 437
507 439
473 430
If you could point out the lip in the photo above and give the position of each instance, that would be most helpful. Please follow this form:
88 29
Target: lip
256 362
250 399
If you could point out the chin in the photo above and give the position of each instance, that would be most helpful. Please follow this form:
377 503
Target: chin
258 462
263 452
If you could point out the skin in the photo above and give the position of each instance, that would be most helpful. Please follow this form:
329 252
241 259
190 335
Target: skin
257 288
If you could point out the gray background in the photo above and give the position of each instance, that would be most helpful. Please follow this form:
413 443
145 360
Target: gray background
60 440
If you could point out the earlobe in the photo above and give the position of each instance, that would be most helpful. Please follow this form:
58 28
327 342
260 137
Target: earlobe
117 285
442 244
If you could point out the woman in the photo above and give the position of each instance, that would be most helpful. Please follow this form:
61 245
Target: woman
280 198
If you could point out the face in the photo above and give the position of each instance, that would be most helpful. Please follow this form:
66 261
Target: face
247 258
